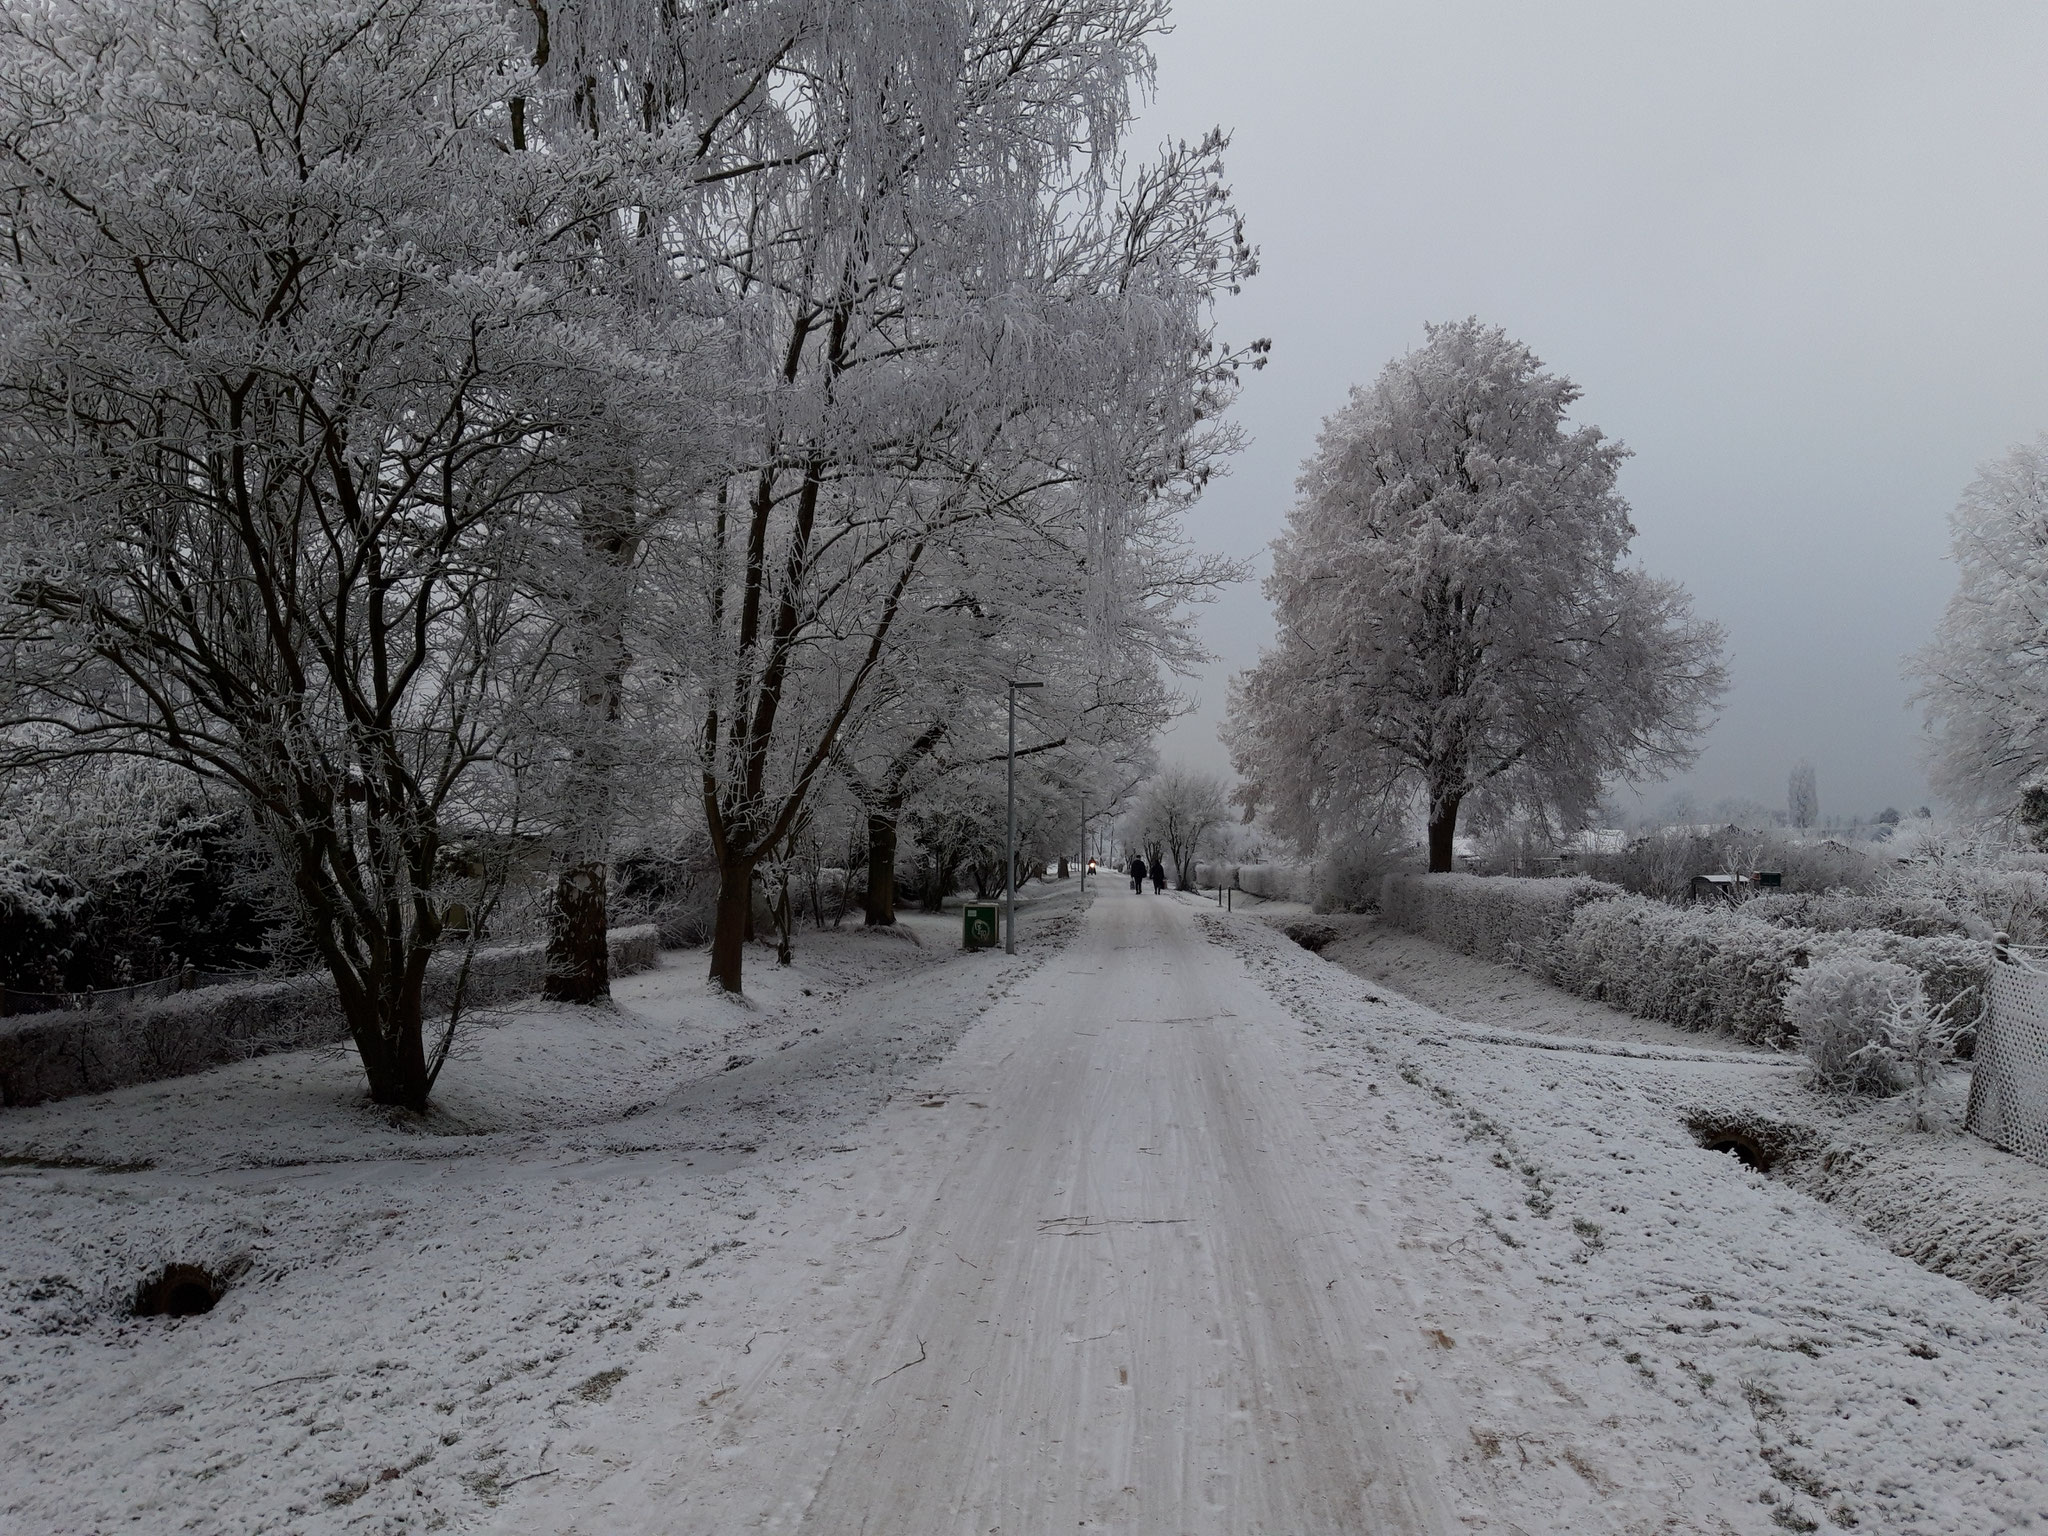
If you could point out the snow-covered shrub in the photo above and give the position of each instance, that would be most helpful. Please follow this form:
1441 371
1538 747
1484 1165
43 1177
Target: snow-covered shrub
1277 882
1843 1008
1866 1026
674 887
1700 967
1494 917
1707 966
1349 876
1838 912
43 919
1953 972
2000 900
172 878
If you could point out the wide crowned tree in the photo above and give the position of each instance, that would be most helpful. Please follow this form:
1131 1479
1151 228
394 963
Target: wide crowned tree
1984 679
296 366
1456 621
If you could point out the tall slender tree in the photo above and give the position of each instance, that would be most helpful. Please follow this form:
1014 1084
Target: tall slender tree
1802 795
939 311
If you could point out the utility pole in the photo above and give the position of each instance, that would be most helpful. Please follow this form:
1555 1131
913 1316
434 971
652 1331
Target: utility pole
1010 830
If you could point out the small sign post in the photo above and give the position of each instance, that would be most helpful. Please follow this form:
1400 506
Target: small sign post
979 923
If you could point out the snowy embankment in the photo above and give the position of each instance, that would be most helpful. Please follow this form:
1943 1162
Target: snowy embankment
1739 1343
1941 1198
426 1305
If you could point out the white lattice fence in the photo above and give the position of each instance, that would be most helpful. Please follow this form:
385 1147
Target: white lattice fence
2009 1079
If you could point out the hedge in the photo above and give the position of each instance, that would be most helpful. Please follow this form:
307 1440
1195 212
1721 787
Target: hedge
55 1055
1696 967
1699 967
1495 917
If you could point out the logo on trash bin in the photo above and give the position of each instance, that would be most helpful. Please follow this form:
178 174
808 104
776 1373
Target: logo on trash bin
979 925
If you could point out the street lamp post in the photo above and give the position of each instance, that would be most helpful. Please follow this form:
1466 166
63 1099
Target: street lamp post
1084 845
1010 830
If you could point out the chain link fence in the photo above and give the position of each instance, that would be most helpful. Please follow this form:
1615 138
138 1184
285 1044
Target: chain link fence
2009 1075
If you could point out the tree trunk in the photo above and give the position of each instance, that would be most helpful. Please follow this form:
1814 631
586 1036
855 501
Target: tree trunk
578 966
389 1039
945 874
732 924
880 903
579 959
1443 822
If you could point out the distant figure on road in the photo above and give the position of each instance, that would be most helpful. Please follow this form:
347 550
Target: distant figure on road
1138 873
1158 877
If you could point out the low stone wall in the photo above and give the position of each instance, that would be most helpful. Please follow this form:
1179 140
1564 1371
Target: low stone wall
89 1050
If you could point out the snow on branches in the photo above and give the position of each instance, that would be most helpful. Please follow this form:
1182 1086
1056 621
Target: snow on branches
1984 678
1456 620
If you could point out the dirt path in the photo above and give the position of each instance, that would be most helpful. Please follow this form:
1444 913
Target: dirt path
1097 1276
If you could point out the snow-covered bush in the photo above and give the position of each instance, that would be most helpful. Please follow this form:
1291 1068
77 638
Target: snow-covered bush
1854 1014
1494 917
1839 912
1953 972
43 920
171 873
1842 1008
1992 890
1277 882
1700 967
1348 877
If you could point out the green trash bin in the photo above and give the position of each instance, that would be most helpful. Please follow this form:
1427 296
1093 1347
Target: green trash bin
980 925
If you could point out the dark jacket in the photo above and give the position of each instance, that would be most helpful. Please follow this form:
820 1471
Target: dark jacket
1158 874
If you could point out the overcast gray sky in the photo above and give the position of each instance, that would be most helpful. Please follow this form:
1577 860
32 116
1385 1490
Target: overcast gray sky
1793 253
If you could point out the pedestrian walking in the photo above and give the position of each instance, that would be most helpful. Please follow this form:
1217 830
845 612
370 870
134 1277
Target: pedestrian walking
1138 874
1158 877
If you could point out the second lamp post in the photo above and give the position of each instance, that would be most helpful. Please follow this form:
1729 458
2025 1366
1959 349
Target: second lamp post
1010 830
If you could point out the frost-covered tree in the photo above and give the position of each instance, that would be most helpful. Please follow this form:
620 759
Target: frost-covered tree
293 358
1178 811
973 345
1456 621
1984 678
1802 795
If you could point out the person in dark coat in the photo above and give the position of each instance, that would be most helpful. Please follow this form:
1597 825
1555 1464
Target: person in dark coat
1138 873
1158 877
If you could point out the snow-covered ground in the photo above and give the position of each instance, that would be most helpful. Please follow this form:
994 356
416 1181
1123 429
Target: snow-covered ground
1161 1225
427 1308
1692 1341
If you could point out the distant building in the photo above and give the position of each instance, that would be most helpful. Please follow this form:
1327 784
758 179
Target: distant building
1734 887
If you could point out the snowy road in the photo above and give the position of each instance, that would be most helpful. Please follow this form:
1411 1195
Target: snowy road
1116 1289
1162 1225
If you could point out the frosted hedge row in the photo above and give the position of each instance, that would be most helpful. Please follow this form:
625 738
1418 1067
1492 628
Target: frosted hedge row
1273 882
56 1055
1697 967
